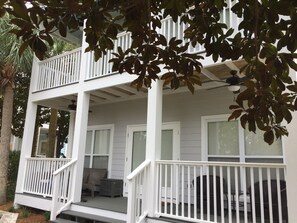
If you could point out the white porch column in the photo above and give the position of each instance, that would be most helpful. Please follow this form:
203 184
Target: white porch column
79 142
290 144
290 147
153 139
27 143
29 127
70 135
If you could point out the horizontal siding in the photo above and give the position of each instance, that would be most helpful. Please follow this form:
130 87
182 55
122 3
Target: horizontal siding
182 107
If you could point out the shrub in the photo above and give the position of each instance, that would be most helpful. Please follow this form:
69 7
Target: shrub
11 209
47 215
25 212
13 166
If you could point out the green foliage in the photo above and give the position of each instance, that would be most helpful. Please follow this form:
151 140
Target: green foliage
20 100
266 39
12 210
47 215
12 173
24 213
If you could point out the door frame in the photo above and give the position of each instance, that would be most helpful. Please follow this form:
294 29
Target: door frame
175 126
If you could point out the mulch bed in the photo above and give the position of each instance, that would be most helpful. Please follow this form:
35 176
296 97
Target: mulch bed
34 216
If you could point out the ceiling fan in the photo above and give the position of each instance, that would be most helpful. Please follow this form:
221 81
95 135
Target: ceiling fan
72 106
233 82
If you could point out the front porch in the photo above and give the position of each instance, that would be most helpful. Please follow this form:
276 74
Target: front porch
187 191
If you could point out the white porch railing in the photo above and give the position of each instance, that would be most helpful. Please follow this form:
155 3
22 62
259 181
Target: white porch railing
58 71
62 179
65 69
221 192
138 193
39 175
102 67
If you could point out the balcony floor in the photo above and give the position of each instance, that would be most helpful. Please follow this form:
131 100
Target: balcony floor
116 204
119 204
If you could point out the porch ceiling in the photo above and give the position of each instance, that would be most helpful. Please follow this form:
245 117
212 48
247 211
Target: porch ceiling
209 77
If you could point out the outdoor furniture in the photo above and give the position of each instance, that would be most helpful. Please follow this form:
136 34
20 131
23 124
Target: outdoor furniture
212 196
111 187
274 197
92 179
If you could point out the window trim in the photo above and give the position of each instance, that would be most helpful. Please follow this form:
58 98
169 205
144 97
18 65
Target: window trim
242 156
94 128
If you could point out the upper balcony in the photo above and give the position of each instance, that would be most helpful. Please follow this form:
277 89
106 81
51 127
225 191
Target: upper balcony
77 66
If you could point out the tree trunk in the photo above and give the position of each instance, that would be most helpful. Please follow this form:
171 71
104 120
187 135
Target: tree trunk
35 138
52 132
5 139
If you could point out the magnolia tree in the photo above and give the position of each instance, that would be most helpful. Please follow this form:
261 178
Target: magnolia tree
266 39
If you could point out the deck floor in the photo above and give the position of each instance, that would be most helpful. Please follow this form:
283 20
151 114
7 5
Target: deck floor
117 204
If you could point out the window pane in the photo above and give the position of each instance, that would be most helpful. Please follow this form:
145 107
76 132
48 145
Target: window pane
138 149
87 162
223 159
102 139
89 142
264 160
167 145
255 145
100 162
223 138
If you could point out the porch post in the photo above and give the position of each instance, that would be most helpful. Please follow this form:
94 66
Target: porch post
153 139
27 143
79 142
290 152
70 135
29 127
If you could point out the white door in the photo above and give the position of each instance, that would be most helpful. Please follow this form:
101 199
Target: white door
136 143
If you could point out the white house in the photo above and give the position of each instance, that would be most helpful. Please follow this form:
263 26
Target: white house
166 146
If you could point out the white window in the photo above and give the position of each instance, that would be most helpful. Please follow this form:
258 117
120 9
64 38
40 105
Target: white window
99 147
228 141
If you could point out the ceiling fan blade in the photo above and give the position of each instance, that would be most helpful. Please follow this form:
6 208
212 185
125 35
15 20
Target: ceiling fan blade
219 81
243 79
217 87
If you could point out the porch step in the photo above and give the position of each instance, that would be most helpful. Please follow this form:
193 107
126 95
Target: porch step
61 220
163 220
78 216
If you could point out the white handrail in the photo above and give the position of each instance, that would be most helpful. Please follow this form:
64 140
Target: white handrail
237 164
47 159
62 181
64 167
135 172
137 193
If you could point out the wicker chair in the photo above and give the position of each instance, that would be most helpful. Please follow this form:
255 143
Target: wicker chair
212 198
274 200
92 178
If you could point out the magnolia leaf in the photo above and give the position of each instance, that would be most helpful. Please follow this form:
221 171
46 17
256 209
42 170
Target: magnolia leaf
269 137
234 106
62 29
235 114
190 87
23 47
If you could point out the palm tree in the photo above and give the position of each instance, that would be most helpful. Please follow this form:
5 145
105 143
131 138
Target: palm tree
10 64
